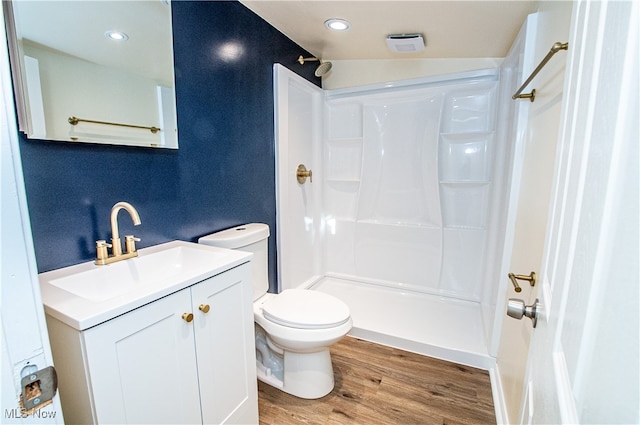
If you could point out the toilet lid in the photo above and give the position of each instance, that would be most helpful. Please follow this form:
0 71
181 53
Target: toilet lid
306 309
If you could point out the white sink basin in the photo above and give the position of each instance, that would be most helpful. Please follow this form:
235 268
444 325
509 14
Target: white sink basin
86 294
113 280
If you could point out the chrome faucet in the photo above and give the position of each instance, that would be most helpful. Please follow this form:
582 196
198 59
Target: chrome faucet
115 245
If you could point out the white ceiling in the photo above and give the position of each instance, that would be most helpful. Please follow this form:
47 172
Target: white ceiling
452 29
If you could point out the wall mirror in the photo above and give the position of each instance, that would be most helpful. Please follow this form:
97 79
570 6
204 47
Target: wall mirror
94 71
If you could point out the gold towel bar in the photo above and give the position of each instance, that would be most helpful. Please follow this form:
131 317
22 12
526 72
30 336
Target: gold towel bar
557 46
74 120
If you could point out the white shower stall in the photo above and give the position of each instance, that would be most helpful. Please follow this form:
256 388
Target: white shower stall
408 212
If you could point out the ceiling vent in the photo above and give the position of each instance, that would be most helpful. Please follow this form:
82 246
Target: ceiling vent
405 43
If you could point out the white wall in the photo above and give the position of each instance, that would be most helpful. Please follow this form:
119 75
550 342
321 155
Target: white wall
351 73
553 25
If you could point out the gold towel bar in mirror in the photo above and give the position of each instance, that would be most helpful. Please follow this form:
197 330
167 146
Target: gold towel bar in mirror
75 120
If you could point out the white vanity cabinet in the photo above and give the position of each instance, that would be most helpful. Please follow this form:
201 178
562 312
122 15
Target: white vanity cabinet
158 364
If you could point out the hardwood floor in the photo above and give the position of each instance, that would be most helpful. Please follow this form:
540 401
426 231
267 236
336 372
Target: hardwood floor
382 385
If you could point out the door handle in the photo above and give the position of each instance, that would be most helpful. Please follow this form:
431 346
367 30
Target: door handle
517 309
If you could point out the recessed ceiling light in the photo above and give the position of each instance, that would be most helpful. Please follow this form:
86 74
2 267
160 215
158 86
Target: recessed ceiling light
336 24
116 35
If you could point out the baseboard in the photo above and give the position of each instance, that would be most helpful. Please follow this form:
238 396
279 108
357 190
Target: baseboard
498 396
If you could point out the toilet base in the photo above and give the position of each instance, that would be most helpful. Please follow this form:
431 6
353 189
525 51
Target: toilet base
306 375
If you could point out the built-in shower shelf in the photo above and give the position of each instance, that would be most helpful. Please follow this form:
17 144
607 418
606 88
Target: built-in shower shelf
465 157
464 203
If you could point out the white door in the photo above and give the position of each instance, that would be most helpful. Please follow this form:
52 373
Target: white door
583 361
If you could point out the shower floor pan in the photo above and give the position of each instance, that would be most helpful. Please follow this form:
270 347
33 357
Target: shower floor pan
426 324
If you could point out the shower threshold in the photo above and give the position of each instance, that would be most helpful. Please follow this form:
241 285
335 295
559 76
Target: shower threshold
431 325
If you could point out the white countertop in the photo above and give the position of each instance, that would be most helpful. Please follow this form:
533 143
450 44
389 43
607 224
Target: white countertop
94 294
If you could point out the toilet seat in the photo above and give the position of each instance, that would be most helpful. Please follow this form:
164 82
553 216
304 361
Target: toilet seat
305 309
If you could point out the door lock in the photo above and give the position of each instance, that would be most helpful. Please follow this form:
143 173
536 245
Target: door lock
517 309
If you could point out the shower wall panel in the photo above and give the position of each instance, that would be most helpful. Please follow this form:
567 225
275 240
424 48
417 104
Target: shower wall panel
298 133
399 173
407 184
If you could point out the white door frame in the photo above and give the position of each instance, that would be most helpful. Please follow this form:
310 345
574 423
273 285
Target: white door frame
25 340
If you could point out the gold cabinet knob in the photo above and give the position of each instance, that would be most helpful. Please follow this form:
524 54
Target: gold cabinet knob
204 308
188 317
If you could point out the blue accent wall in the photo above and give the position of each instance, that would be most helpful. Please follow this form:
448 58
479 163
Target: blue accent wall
223 173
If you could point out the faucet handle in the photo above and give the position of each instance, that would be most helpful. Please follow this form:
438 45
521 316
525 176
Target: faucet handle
130 243
101 249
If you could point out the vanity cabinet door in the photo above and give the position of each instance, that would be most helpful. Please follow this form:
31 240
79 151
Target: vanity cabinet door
142 365
225 347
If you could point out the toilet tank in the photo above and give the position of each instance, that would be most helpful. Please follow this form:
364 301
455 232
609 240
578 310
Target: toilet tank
252 238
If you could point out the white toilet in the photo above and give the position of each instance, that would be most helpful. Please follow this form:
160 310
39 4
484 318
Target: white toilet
295 328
